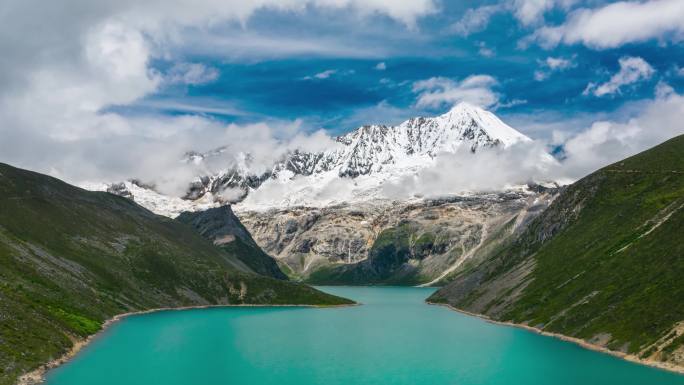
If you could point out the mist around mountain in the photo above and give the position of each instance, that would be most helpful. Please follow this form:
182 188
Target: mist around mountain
465 150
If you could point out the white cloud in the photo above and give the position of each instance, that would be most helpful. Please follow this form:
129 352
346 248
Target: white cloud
559 63
489 169
70 93
541 75
663 90
594 140
192 105
381 66
617 24
550 126
475 20
438 91
64 63
325 74
553 64
527 12
406 11
632 70
531 11
511 103
484 51
265 144
680 71
241 44
608 141
191 74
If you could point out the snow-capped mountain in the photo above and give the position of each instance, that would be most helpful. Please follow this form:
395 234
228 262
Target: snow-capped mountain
356 168
372 148
324 210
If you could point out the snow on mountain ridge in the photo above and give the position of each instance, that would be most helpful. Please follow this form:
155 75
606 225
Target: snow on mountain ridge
367 157
370 147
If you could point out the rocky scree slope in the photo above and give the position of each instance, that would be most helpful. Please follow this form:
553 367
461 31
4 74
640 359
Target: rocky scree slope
405 243
604 263
71 258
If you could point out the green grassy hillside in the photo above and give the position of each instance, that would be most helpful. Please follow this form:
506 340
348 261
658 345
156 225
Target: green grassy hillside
605 262
70 259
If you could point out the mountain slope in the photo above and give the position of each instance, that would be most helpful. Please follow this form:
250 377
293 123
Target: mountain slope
70 259
408 243
604 263
223 228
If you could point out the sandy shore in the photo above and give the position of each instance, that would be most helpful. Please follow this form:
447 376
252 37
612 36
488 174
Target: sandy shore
578 341
37 376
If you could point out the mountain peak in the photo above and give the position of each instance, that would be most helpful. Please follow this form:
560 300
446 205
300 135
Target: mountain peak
461 107
482 122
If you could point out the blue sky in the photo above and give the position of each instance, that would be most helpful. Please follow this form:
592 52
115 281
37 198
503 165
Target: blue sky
107 90
350 90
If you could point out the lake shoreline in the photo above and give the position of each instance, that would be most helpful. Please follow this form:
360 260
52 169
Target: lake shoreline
37 376
577 341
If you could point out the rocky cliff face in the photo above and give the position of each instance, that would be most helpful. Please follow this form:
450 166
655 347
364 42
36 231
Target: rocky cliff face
420 242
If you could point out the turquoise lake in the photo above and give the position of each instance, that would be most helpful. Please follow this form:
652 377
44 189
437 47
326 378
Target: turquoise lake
394 338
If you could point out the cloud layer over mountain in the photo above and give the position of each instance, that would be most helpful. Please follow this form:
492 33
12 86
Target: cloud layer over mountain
111 90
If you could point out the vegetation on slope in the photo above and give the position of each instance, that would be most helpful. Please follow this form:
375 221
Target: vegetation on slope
223 228
70 259
388 260
603 263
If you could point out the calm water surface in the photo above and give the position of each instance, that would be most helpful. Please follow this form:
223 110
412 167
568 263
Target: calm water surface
394 338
